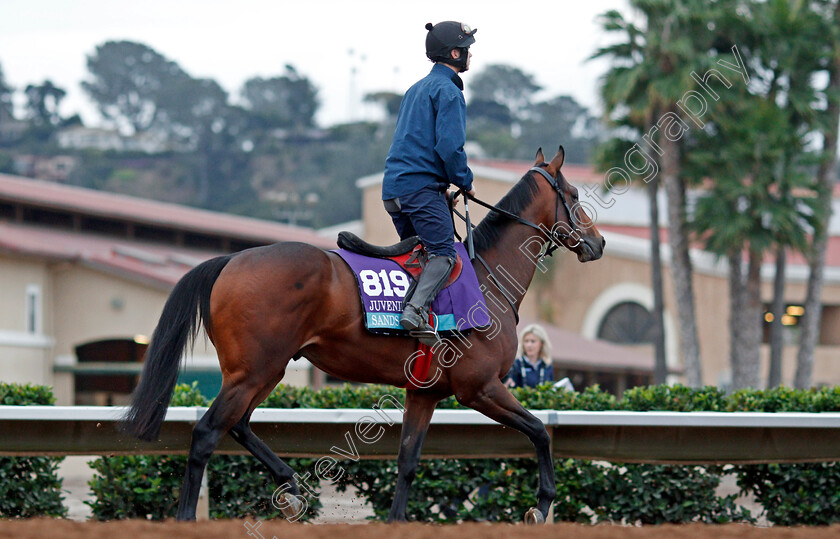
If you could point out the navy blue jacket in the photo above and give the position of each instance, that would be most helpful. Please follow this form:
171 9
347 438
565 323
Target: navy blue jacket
534 376
428 146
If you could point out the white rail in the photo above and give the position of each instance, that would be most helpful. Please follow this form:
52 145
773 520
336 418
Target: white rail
676 437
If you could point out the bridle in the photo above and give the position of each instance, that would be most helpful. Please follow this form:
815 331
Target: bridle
560 198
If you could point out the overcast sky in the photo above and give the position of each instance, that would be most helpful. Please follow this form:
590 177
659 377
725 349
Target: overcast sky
383 41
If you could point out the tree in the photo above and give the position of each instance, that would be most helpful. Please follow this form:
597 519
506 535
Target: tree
127 80
759 202
504 119
777 309
756 153
500 96
627 107
287 101
6 92
390 102
490 113
652 67
490 124
507 85
787 47
560 116
829 45
42 102
758 144
188 109
195 114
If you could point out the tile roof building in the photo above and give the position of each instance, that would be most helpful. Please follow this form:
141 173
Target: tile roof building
79 266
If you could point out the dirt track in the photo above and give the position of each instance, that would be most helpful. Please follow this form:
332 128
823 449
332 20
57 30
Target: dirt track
236 529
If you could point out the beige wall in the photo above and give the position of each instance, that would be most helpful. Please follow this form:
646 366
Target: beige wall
86 307
711 300
91 305
24 365
78 305
17 275
577 296
24 356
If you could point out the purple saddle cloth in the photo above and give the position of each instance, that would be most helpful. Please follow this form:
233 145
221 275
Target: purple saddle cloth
383 285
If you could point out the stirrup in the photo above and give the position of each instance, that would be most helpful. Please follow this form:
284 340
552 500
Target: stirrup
413 318
429 337
421 331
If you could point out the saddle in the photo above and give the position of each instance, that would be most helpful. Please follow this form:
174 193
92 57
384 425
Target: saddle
409 254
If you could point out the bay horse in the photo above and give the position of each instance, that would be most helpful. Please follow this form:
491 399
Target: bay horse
264 306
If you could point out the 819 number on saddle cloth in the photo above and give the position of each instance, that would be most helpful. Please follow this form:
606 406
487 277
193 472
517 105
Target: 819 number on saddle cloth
384 283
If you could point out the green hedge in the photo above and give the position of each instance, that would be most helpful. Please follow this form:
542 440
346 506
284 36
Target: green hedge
502 489
454 490
499 489
29 486
147 486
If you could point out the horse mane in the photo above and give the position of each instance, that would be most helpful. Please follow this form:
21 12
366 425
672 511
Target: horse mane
488 231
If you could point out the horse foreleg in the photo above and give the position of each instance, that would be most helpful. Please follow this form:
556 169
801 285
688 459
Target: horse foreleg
497 403
290 502
228 407
418 414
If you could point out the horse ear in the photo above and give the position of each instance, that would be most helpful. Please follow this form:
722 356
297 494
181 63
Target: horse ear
540 158
557 160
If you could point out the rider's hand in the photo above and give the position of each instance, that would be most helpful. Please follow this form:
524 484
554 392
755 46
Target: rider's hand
471 192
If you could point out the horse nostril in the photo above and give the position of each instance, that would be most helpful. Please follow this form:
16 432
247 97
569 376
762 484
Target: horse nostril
603 242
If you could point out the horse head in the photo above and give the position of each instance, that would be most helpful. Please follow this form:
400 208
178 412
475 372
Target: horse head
562 213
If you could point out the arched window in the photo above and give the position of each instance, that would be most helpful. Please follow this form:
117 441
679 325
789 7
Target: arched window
627 323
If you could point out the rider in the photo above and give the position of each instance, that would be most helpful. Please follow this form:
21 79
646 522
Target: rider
426 156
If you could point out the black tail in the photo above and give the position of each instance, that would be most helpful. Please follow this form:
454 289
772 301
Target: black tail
177 327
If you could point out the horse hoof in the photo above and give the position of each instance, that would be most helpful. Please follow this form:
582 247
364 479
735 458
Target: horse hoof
534 516
292 507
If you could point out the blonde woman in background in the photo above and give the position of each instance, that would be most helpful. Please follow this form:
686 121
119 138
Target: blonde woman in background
532 365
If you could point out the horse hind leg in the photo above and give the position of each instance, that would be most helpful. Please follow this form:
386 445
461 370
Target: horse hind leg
228 407
287 496
497 403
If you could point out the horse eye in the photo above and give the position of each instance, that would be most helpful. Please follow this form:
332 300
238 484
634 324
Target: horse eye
575 197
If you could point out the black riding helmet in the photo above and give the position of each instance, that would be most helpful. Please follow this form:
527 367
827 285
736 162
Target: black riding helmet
448 35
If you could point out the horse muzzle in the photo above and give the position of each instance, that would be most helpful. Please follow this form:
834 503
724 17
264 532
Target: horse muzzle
591 248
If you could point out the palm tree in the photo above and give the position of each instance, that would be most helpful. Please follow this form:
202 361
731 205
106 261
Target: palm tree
783 42
759 202
652 67
829 42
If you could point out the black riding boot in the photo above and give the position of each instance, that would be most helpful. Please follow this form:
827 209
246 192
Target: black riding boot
415 317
